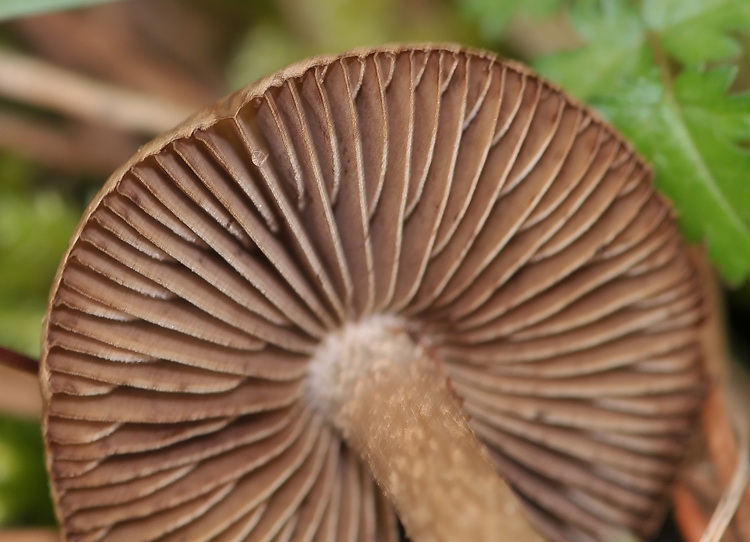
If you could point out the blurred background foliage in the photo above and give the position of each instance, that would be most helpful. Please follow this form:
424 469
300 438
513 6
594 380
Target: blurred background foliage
56 148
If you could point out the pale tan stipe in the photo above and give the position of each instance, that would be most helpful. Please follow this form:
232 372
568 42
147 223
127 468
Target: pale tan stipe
392 405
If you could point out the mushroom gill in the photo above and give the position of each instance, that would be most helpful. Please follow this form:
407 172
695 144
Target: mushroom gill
512 234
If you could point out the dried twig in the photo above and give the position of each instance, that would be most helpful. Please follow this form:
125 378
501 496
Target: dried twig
29 535
19 389
18 361
38 83
68 147
126 53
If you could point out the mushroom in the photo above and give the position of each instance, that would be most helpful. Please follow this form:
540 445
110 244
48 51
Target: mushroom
287 309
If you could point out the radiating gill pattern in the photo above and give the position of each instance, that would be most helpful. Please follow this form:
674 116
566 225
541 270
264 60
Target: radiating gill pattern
516 232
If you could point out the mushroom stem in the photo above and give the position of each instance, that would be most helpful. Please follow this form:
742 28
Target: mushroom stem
386 395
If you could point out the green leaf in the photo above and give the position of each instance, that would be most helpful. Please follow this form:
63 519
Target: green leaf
10 9
615 40
690 133
618 32
696 31
644 67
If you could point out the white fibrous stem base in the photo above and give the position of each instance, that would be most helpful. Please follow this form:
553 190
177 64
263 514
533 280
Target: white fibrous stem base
387 397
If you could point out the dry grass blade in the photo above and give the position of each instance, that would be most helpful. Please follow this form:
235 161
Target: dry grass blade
65 147
38 83
134 49
734 493
712 499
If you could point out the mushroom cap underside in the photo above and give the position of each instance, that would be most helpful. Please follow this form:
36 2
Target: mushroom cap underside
514 230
